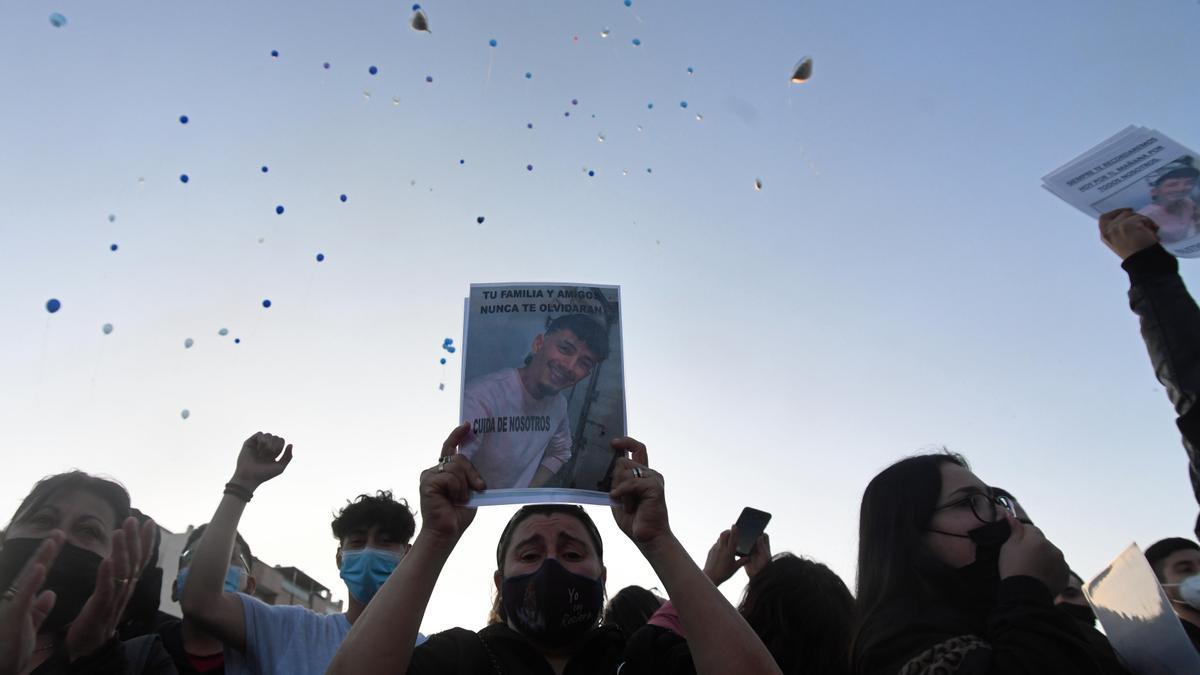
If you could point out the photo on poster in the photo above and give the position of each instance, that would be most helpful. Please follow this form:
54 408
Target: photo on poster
1169 197
543 391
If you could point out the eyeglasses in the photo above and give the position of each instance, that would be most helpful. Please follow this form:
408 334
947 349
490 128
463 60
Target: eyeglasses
985 507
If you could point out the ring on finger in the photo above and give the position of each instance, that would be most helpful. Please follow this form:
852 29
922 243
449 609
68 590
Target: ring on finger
442 462
637 472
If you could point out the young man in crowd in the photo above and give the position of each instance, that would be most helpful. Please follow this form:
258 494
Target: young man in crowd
373 534
1174 560
194 649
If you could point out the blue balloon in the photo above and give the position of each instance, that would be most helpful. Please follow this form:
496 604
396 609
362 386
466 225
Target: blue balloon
113 247
429 78
450 349
183 178
683 104
266 304
650 105
264 168
528 76
53 305
443 362
574 101
279 209
690 71
629 3
58 20
529 125
274 53
447 341
637 42
320 257
325 65
567 113
591 173
372 70
183 119
237 341
416 8
461 162
529 167
343 197
479 220
492 42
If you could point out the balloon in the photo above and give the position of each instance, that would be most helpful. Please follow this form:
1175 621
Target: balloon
237 341
395 100
274 53
266 304
604 33
690 71
53 305
529 167
279 209
441 386
113 247
187 344
802 71
492 43
343 197
185 413
58 20
183 178
112 217
628 3
372 70
574 101
223 332
529 125
528 75
429 78
367 94
683 104
567 113
320 257
107 328
461 162
416 7
757 185
325 65
699 118
637 42
479 220
591 173
443 361
450 349
183 119
264 168
420 22
650 105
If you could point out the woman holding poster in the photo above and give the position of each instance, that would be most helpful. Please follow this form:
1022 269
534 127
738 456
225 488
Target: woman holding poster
550 575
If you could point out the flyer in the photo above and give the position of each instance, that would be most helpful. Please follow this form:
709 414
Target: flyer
543 391
1140 169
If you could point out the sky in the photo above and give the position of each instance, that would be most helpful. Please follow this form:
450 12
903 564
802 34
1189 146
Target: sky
901 281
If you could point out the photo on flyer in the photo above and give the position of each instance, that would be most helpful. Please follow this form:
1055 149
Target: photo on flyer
543 391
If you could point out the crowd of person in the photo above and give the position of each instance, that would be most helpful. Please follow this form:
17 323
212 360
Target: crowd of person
953 575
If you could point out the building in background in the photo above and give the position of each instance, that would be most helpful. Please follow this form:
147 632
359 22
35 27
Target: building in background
274 585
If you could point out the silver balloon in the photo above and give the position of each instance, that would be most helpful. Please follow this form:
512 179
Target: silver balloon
802 71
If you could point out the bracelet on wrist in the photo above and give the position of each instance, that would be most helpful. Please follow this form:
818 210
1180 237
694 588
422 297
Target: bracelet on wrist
239 491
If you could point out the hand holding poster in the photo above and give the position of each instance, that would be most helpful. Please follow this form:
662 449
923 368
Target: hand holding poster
543 391
1143 170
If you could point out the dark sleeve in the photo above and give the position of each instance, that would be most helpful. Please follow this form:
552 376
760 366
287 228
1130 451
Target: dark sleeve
654 649
1170 323
159 662
1024 635
450 652
108 659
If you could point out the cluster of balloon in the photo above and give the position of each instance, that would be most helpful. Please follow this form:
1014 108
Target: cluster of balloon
802 71
447 346
420 22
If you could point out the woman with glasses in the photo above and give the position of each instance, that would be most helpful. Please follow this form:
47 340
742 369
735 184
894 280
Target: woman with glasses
950 581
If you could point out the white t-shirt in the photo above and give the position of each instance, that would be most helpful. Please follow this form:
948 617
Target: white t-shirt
287 640
512 433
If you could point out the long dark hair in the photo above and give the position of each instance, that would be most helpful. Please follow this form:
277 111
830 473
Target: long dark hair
630 608
803 613
895 568
109 491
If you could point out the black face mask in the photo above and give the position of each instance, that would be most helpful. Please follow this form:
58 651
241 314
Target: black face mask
72 577
1082 614
552 606
982 577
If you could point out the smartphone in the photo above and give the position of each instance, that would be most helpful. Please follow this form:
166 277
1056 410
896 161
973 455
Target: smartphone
750 525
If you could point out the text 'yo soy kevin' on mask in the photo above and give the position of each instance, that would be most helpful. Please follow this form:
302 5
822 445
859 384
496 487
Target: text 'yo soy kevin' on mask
72 577
552 606
365 569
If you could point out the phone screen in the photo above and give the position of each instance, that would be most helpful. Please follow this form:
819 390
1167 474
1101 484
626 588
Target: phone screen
750 525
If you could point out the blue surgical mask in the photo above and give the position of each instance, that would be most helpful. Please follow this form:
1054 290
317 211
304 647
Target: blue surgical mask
364 570
233 580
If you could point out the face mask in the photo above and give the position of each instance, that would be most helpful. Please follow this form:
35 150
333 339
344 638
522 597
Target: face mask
233 580
982 577
72 577
1080 613
1189 590
364 570
552 606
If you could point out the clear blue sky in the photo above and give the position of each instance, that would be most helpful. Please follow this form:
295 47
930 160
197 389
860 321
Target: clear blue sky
901 281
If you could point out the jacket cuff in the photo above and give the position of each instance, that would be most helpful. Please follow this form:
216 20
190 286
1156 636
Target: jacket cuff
1149 263
1023 590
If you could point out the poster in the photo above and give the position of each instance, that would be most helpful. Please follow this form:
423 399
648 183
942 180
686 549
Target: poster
1138 618
543 391
1144 170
